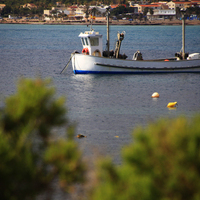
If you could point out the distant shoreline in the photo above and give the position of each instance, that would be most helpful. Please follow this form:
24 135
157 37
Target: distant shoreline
112 22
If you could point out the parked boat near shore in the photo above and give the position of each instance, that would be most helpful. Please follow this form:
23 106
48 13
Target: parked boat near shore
93 59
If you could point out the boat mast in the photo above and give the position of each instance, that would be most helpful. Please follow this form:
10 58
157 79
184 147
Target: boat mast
91 21
108 38
183 33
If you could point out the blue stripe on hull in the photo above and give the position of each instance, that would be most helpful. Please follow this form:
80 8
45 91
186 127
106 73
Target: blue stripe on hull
131 72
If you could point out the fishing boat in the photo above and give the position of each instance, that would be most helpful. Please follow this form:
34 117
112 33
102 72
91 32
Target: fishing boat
93 60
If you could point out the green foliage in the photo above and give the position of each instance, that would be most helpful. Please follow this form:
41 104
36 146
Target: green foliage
146 9
66 162
162 162
193 10
6 10
151 11
121 10
31 158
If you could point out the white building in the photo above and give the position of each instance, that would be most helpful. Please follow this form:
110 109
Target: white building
47 12
162 14
180 4
80 13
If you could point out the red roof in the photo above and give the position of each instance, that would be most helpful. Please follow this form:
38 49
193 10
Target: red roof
123 5
73 6
116 5
151 5
195 1
182 2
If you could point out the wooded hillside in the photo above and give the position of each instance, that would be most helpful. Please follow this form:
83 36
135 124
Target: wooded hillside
46 3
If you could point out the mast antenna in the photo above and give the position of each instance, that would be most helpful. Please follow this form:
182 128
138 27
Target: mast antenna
183 32
108 36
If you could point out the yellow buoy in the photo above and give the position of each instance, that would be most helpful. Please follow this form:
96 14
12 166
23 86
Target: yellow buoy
171 104
155 95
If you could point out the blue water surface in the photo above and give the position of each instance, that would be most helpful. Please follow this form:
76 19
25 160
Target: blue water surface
103 106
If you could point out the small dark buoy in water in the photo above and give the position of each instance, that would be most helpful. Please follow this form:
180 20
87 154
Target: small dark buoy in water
80 136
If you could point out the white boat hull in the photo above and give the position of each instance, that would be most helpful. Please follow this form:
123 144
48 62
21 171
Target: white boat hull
86 64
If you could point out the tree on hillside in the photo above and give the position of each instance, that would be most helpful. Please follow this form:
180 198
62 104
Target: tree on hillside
140 16
146 9
178 13
87 12
24 11
193 10
151 12
6 11
119 10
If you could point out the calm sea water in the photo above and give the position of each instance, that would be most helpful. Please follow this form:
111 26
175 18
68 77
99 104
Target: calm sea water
104 106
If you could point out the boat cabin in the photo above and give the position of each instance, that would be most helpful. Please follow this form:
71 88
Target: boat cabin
92 43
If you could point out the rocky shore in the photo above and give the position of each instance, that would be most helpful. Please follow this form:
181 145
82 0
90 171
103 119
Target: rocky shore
112 22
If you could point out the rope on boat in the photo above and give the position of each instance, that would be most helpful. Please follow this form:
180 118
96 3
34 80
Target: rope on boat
67 64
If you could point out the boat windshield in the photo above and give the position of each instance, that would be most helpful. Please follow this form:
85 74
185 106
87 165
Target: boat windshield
86 41
94 41
83 41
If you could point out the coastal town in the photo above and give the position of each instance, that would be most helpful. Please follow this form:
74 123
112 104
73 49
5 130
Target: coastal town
143 12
